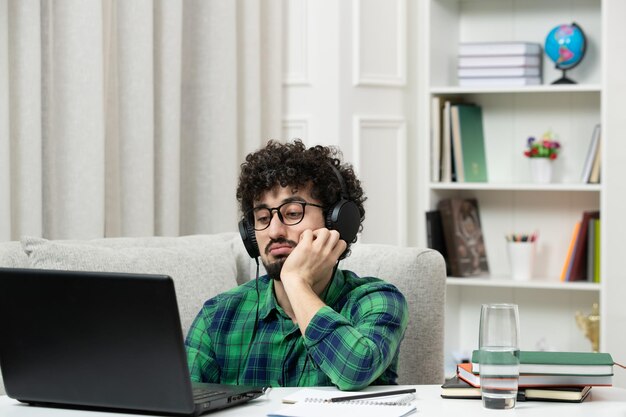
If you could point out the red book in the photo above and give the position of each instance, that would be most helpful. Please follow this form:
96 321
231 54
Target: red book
464 371
579 257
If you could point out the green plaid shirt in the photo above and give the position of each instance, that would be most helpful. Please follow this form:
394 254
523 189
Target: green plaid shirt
351 343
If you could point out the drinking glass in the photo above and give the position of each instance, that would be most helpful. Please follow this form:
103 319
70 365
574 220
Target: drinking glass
499 355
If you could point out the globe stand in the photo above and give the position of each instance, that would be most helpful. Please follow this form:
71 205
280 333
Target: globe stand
564 79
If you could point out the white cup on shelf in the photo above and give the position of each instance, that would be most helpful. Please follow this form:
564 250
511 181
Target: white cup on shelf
521 259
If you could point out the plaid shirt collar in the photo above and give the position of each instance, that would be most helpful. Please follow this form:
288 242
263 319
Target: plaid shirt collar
269 308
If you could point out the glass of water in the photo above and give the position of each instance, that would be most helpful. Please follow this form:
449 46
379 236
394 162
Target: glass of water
499 355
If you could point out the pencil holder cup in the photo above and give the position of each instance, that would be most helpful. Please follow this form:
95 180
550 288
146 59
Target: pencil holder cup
521 259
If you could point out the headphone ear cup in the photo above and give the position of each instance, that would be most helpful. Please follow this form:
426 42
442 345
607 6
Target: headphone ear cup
249 239
344 217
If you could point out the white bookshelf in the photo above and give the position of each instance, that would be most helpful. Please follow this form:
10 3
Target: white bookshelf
563 88
508 186
509 202
537 283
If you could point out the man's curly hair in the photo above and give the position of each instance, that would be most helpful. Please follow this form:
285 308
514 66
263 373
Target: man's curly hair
292 164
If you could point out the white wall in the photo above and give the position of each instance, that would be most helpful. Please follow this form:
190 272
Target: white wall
346 83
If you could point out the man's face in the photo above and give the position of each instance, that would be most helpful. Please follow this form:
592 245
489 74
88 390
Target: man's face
278 240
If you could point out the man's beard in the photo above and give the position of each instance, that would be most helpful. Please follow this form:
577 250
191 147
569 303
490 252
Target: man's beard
273 269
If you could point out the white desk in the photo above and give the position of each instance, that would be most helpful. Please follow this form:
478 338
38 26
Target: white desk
605 402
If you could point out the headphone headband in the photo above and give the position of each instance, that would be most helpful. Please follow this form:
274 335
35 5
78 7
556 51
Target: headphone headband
342 182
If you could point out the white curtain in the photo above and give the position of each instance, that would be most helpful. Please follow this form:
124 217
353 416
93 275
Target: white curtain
130 118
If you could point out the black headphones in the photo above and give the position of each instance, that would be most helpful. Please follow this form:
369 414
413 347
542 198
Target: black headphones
343 216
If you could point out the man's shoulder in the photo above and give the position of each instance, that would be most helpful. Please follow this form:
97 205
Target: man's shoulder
361 285
368 294
234 296
356 281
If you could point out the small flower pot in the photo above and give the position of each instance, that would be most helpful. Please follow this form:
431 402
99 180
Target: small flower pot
541 170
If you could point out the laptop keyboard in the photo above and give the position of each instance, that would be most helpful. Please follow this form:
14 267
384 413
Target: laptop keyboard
204 394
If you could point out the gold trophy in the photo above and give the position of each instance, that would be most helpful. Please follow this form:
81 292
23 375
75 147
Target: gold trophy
590 324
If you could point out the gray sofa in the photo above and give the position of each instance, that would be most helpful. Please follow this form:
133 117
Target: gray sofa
205 265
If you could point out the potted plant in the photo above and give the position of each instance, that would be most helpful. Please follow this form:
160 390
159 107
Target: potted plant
541 153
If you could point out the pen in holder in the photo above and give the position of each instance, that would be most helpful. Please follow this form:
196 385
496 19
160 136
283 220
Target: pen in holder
521 250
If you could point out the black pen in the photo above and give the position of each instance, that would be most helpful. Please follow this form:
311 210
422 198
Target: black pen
371 395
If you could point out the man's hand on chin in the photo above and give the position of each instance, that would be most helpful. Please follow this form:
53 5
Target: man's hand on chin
307 271
311 262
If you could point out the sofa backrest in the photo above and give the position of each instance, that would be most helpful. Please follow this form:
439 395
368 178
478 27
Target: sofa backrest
12 255
421 277
203 266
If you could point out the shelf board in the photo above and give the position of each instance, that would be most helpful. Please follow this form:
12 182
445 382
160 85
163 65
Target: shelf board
546 88
513 186
507 282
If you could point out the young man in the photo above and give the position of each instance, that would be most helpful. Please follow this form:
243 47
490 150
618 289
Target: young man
305 323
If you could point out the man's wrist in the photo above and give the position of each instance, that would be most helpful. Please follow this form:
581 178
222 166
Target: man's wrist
295 283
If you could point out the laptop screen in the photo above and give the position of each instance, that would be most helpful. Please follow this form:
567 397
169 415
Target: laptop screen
93 339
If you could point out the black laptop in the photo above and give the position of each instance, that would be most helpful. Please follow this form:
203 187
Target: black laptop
100 340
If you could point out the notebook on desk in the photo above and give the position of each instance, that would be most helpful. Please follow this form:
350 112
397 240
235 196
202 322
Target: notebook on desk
371 402
100 340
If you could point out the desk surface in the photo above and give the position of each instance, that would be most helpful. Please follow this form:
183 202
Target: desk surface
605 402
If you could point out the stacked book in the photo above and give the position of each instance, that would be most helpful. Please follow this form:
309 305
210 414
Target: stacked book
543 376
484 64
457 388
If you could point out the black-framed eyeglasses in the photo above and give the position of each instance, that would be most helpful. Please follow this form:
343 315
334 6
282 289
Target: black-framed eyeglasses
289 213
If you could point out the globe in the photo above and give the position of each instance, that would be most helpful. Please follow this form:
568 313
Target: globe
565 45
